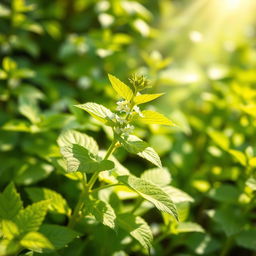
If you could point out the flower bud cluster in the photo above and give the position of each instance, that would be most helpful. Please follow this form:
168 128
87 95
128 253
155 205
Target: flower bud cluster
139 82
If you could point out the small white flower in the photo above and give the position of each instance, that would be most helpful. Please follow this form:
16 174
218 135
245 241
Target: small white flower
123 106
137 110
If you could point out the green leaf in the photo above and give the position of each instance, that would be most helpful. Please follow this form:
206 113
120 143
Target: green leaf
36 241
122 89
79 159
28 108
239 156
137 228
56 202
8 247
153 117
251 183
99 112
31 218
137 146
185 227
10 203
59 236
219 138
177 195
247 239
9 229
143 98
102 211
150 192
229 220
69 137
9 64
158 176
225 193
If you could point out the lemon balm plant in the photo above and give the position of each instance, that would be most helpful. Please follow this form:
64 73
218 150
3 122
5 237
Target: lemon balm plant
81 154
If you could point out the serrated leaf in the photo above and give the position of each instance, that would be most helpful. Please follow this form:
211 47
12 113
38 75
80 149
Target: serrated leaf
59 236
10 202
158 176
143 98
69 137
102 211
36 241
121 88
137 228
247 239
185 227
153 117
79 159
56 202
31 218
99 112
8 247
150 192
177 195
9 229
137 146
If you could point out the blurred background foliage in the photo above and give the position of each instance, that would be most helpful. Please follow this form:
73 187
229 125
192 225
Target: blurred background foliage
201 53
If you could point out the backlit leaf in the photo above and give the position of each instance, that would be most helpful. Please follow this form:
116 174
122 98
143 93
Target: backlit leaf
143 98
153 117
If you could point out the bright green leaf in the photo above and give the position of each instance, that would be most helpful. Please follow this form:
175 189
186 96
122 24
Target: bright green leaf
102 211
10 203
185 227
153 117
150 192
31 218
56 202
137 228
137 146
9 64
36 241
99 112
219 138
157 176
239 156
143 98
177 195
122 89
9 229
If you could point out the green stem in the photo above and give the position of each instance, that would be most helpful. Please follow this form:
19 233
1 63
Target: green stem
94 177
227 246
104 187
75 216
137 204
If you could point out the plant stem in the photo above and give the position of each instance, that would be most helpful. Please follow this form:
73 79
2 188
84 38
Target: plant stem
227 246
104 187
94 177
78 207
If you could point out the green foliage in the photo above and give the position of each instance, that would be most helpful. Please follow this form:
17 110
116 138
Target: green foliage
75 176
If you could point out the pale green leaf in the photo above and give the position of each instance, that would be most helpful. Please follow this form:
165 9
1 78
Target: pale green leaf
185 227
99 112
143 98
56 202
31 218
59 236
10 203
122 89
137 146
150 192
36 241
177 195
102 211
251 183
153 117
137 228
157 176
79 159
8 247
69 137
